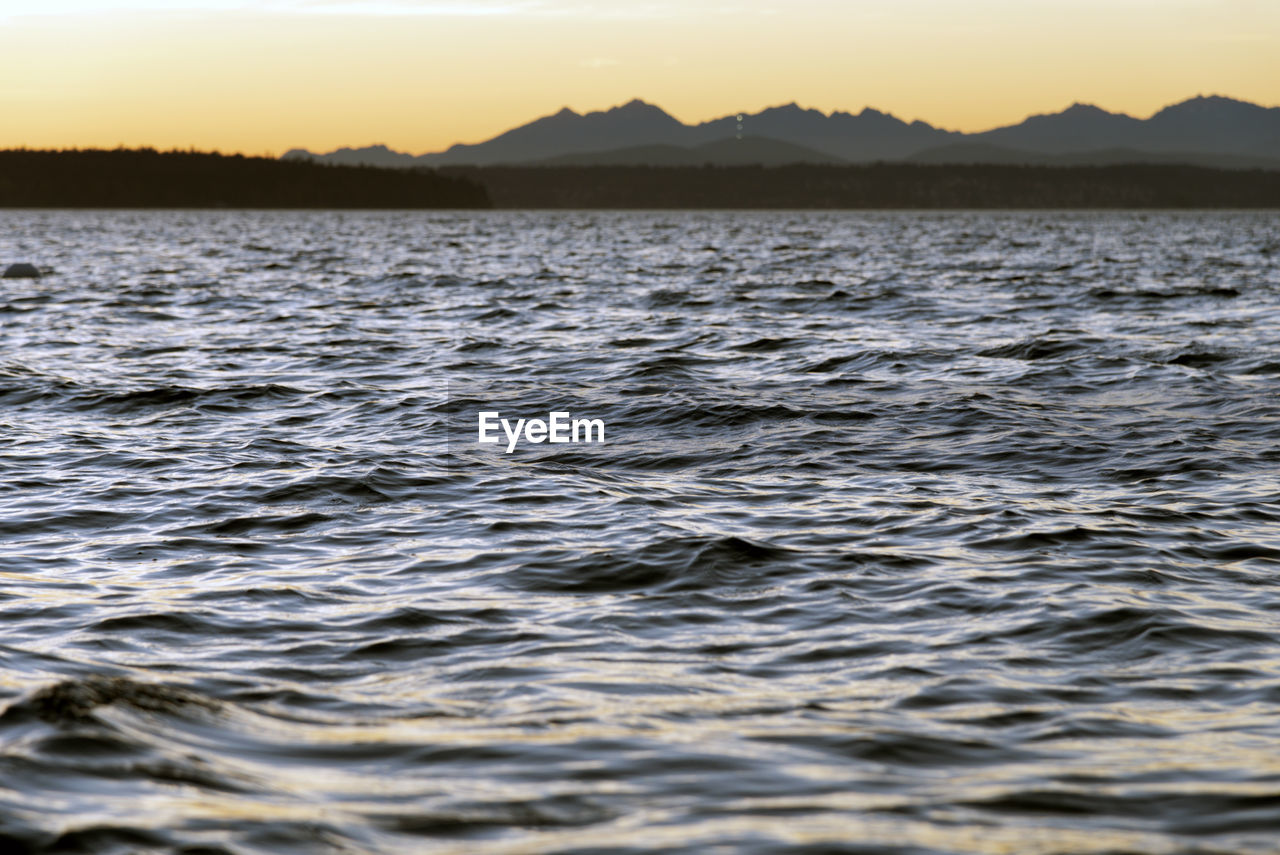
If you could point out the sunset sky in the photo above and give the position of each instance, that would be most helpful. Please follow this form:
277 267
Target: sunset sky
419 75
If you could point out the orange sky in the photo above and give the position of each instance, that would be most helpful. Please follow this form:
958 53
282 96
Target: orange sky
419 75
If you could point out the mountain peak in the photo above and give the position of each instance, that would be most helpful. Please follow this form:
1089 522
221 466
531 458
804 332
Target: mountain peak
1220 100
1080 108
637 107
871 117
790 109
1077 115
1209 103
634 110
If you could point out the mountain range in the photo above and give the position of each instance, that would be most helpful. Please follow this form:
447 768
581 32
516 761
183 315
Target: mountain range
1208 131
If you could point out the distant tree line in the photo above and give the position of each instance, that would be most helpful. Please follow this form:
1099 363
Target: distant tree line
146 178
881 185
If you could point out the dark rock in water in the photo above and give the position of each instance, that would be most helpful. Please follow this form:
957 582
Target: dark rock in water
22 270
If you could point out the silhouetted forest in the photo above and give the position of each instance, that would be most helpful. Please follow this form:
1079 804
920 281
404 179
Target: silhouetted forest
881 185
142 178
146 178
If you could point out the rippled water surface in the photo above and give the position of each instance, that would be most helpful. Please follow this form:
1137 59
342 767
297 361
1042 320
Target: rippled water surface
915 533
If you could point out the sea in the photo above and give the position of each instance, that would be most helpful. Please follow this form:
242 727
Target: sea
883 532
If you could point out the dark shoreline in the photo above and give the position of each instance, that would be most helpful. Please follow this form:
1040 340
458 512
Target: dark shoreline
144 178
880 186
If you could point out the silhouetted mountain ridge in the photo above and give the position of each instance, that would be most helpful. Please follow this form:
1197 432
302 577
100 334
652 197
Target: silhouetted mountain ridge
749 150
1213 130
566 132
